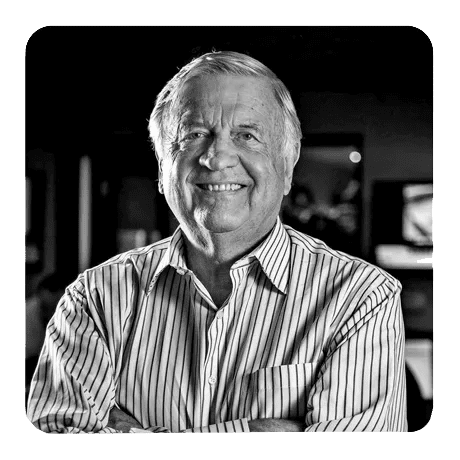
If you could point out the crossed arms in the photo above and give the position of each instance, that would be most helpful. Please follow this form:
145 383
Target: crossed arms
65 398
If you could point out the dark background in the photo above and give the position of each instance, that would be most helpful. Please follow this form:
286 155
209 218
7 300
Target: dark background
90 91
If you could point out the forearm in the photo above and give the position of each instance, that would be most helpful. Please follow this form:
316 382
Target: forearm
231 426
121 422
277 425
245 426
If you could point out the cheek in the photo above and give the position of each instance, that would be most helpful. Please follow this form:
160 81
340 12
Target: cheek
266 171
176 173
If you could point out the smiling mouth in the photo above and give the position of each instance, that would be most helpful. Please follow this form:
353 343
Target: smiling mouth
220 187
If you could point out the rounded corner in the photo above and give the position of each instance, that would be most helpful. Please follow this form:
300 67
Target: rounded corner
33 37
429 419
32 425
424 36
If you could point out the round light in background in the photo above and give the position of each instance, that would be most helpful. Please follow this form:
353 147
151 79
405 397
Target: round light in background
355 157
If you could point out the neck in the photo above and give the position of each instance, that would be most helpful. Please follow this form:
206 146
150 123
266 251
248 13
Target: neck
211 255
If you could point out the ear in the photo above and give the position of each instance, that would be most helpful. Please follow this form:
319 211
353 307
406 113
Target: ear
160 175
290 160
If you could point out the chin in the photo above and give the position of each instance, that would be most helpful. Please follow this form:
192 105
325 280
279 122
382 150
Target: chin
216 223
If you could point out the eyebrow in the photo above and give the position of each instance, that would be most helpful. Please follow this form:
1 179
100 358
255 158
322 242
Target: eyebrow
254 126
188 125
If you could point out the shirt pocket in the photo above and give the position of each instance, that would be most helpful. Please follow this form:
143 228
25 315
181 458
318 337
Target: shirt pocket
281 391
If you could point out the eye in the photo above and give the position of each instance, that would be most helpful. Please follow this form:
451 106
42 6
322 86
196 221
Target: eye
195 135
246 136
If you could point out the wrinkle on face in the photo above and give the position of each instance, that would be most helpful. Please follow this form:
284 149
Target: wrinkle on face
222 108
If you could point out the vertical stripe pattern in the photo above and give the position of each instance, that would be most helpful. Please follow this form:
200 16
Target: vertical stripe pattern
306 332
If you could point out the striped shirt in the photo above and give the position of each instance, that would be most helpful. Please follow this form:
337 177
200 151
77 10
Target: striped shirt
306 332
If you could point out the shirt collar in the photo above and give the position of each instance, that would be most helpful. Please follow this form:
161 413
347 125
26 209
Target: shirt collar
273 255
174 257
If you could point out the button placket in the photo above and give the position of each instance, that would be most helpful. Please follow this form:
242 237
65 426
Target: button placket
212 357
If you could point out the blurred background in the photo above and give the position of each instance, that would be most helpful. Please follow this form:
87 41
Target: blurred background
363 184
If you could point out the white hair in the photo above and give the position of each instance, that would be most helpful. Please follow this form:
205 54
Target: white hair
230 63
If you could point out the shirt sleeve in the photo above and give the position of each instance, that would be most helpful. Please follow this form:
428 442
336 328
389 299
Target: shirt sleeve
361 386
72 389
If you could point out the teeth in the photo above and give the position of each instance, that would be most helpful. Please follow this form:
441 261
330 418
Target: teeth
222 187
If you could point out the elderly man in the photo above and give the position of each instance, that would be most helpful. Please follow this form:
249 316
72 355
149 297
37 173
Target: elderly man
236 322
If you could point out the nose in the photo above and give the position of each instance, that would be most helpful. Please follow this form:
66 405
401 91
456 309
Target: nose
219 154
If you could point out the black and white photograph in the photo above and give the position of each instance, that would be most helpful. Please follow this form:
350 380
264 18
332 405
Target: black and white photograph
228 229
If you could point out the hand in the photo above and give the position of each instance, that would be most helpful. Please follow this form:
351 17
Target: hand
277 424
123 422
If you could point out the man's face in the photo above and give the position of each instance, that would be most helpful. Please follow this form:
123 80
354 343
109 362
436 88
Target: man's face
226 170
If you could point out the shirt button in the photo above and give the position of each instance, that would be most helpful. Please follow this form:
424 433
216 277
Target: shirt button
219 315
212 380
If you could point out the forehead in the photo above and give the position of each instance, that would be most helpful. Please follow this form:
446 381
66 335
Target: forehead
228 96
